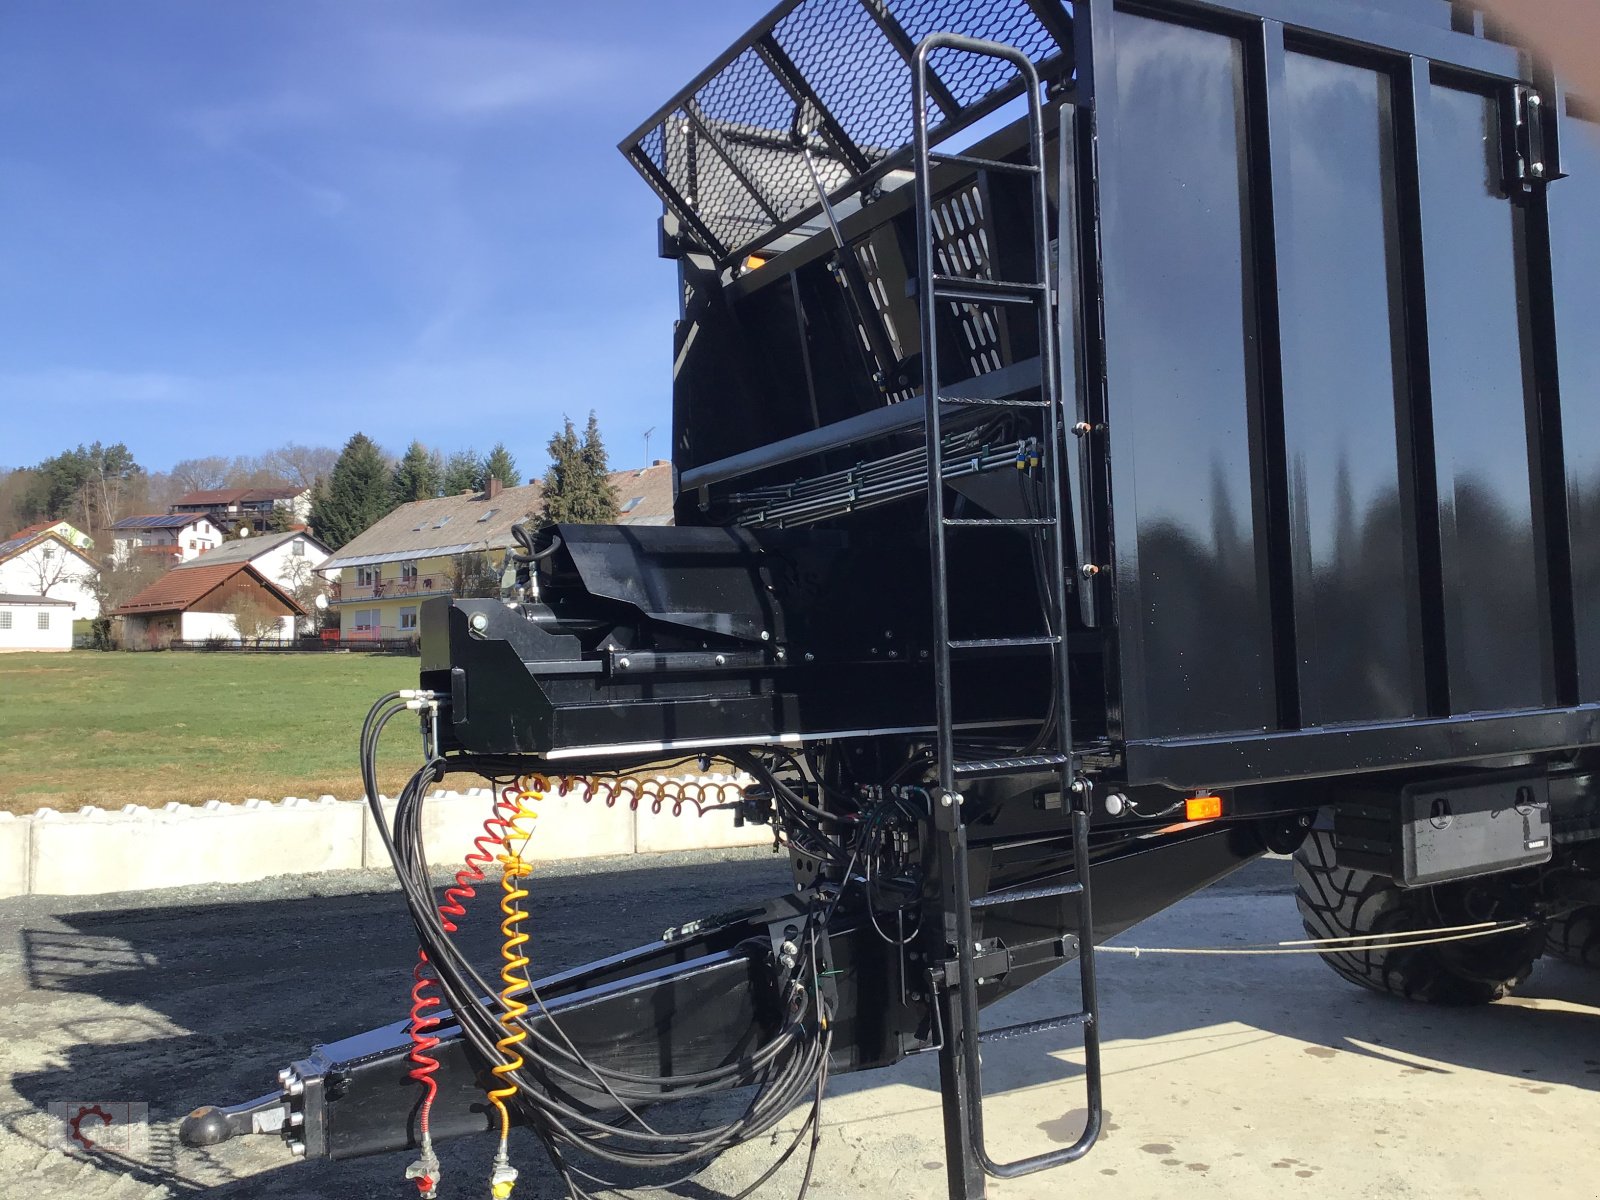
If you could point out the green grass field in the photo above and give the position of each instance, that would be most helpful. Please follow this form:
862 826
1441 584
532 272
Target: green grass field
114 728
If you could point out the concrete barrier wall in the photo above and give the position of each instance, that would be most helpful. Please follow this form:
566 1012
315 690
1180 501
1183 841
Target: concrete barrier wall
93 850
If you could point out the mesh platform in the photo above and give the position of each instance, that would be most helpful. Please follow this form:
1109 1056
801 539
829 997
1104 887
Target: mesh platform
726 153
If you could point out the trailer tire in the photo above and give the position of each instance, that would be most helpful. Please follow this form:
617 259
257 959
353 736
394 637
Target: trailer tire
1575 937
1337 902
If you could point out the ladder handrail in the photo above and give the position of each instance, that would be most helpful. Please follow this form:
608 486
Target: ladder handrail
1072 785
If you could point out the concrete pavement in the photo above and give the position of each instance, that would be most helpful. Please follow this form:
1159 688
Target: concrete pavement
1226 1076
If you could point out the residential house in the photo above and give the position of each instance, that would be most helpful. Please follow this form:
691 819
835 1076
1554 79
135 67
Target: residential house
197 603
249 508
421 549
68 533
173 538
34 623
44 564
289 559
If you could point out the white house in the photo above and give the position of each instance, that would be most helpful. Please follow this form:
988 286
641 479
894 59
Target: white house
174 537
34 623
46 565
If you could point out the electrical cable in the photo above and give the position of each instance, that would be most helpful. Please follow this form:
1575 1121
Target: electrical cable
788 1065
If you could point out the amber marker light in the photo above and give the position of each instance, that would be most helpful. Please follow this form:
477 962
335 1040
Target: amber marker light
1202 808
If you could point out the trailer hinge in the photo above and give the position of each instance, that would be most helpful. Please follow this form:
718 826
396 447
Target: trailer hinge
1533 153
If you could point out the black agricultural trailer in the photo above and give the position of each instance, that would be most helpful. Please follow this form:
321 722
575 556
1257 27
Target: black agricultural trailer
1112 441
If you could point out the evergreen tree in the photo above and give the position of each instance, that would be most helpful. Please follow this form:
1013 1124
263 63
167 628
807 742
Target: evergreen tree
356 493
576 489
417 476
500 465
463 472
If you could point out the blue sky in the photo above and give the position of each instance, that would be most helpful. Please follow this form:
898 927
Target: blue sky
226 226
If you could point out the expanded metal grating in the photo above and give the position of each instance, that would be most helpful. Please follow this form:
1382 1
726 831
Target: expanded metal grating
726 155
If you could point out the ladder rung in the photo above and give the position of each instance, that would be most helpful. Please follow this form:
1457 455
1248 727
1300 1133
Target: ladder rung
986 291
985 164
1024 1028
1004 643
1019 894
997 403
969 522
1009 766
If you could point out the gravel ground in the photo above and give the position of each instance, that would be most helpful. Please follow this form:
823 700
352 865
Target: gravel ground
1224 1076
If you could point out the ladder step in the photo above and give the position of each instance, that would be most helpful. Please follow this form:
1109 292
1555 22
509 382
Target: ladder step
1004 643
1024 1028
1020 894
983 522
1008 766
984 164
986 291
996 403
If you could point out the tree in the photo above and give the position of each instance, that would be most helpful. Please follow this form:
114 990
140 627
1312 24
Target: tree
472 574
500 465
306 586
85 486
202 474
301 465
355 494
254 620
50 564
463 472
576 489
114 585
417 476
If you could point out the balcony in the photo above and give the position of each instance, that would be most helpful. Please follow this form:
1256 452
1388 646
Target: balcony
389 589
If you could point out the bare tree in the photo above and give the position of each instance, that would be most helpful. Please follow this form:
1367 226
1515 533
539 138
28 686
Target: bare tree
472 574
202 474
51 564
304 584
114 585
302 465
254 620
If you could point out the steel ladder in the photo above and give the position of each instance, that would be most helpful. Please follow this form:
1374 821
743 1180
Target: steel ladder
961 1068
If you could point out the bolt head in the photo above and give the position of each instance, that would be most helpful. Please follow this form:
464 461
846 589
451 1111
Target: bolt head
298 1149
479 622
766 636
721 660
622 664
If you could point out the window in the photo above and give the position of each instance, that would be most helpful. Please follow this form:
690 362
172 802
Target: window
48 552
367 576
44 620
408 572
191 543
441 522
408 618
487 515
297 548
365 620
633 503
5 620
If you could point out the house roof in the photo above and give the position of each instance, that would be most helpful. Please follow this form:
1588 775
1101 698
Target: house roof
20 542
644 496
222 497
158 521
180 590
444 525
459 524
11 598
248 549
